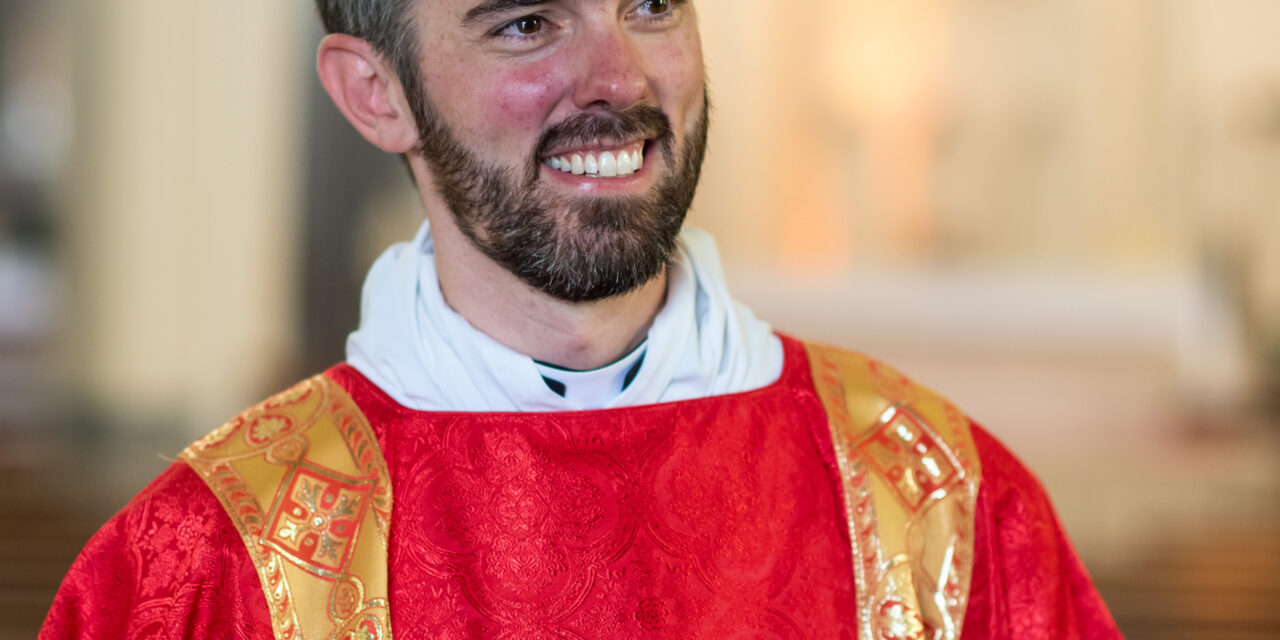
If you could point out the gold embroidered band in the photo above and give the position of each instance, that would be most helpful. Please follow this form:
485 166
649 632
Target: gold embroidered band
305 483
910 478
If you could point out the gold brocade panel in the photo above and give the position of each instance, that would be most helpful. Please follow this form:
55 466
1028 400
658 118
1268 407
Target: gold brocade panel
910 478
305 483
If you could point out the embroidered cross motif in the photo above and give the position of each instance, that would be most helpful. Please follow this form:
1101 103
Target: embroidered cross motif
915 460
315 516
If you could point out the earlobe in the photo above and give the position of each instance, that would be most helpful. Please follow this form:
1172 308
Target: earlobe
366 92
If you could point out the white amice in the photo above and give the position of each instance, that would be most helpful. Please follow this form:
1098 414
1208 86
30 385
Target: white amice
426 356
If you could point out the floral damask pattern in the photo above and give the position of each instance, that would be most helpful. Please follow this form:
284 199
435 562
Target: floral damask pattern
710 518
169 566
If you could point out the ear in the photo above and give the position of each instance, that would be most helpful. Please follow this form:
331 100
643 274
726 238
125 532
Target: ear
366 92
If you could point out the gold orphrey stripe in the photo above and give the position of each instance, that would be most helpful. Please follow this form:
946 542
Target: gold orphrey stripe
907 468
305 483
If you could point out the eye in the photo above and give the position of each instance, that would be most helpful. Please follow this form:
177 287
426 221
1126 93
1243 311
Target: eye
656 7
525 26
660 10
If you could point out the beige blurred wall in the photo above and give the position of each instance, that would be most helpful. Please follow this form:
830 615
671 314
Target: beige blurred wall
182 237
1116 135
1081 170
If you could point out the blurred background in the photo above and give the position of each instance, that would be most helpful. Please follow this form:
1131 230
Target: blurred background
1063 214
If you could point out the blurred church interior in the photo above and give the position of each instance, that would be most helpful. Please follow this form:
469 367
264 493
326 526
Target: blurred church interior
1063 214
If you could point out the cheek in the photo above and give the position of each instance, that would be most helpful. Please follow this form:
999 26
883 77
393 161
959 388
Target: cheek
522 98
498 107
680 83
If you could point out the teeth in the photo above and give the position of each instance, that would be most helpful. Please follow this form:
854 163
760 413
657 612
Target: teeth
608 165
602 165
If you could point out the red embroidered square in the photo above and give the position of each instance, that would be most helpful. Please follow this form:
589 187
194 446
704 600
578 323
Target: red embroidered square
315 518
912 456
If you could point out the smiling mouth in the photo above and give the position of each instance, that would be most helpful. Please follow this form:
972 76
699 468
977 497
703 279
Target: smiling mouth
618 162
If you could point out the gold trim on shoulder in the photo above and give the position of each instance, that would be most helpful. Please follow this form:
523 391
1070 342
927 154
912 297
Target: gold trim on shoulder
304 481
910 477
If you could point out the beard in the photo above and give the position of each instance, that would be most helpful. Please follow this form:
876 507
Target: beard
576 249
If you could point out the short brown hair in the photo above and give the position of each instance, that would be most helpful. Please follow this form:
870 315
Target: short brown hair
385 24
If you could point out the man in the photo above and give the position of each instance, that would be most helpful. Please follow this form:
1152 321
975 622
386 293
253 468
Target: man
553 421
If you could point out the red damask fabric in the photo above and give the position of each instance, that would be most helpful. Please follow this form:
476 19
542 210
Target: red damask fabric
169 565
1028 583
708 518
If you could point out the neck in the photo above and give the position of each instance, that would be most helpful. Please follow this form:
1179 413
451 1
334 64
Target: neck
572 335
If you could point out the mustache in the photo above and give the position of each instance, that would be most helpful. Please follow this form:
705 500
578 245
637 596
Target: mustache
638 121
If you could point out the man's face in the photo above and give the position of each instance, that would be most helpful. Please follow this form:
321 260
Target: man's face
532 115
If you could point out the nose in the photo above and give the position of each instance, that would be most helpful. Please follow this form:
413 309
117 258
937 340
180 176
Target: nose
613 72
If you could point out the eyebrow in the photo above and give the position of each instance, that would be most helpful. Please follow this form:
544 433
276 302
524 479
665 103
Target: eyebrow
490 7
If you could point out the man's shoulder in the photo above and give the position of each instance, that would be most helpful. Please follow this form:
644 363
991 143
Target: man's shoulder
304 456
170 540
277 418
1010 485
179 505
877 407
169 563
867 382
313 427
176 508
178 511
862 375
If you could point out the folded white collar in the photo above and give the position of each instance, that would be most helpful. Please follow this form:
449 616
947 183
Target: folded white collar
426 356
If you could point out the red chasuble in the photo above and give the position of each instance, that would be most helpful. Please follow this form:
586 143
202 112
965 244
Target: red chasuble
710 518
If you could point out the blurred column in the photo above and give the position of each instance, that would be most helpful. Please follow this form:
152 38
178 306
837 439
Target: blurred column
749 49
1233 160
878 73
182 242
